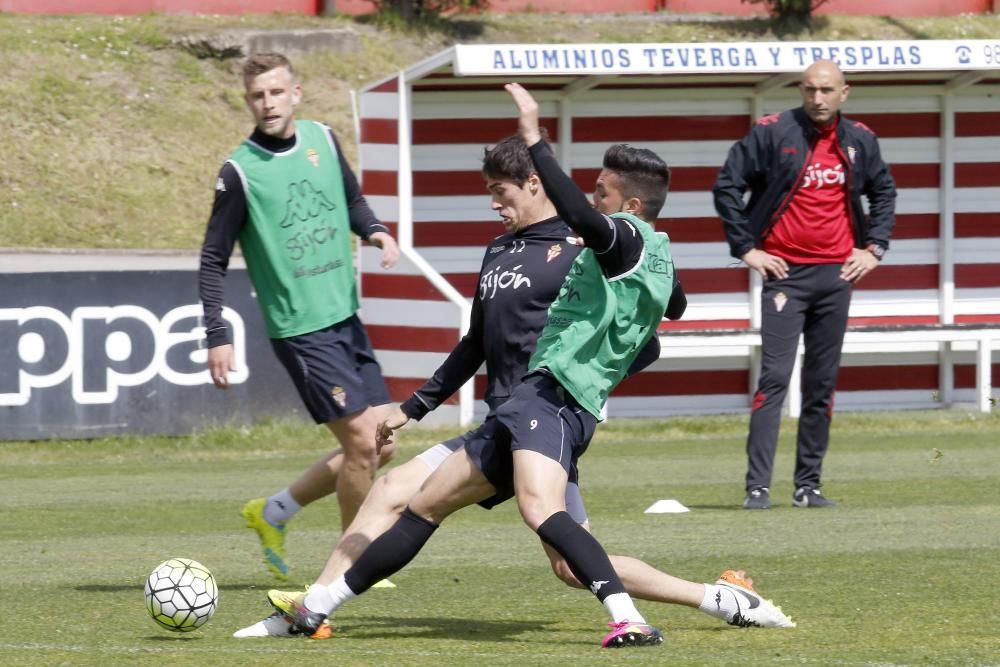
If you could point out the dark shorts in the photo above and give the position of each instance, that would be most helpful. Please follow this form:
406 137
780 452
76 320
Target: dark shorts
539 416
543 417
334 370
496 464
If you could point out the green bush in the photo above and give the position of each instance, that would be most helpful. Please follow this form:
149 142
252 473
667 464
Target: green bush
423 10
799 11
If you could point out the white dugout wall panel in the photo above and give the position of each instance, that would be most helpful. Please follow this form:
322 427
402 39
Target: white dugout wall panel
422 135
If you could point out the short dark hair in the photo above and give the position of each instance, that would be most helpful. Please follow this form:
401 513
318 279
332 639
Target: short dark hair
643 174
259 63
508 159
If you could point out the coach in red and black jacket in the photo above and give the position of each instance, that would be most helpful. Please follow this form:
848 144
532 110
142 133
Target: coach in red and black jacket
805 231
771 161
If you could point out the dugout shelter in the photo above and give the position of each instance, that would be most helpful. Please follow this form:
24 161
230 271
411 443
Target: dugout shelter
923 326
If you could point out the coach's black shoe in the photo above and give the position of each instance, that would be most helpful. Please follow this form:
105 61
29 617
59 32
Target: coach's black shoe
757 499
808 497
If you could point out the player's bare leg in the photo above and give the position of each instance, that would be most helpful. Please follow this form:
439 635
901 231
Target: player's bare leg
455 484
356 434
320 479
540 486
380 510
269 516
744 608
641 580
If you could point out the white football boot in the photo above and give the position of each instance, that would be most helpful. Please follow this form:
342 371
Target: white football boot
275 625
752 609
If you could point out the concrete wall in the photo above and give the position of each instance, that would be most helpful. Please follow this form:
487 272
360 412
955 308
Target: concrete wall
354 7
113 7
849 7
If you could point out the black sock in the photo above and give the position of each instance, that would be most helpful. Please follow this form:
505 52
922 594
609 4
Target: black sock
390 552
583 553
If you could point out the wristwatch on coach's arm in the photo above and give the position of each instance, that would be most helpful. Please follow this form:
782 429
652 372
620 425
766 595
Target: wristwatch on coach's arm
876 250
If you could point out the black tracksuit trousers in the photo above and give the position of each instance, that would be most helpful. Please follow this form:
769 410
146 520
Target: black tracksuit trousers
813 301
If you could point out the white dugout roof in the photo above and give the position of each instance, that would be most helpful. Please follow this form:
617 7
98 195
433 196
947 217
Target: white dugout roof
935 106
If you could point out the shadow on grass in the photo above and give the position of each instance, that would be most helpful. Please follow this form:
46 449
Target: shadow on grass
381 627
393 627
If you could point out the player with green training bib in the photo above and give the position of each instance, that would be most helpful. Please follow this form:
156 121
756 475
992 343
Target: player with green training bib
291 200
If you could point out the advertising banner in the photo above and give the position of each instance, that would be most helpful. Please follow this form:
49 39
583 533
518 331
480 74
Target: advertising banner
723 57
92 354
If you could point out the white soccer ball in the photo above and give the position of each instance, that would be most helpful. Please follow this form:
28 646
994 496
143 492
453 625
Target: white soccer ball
181 594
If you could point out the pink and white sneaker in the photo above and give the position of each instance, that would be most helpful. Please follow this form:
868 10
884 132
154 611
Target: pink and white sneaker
628 633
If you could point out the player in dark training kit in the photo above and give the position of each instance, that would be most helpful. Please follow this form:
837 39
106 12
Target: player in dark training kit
482 471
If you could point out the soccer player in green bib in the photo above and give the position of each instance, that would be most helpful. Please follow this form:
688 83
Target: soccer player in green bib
507 319
291 200
610 305
608 308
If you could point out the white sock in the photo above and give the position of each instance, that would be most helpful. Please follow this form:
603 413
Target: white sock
280 507
719 602
318 599
621 608
327 599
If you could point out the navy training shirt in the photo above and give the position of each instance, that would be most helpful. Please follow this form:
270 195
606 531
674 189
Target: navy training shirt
520 277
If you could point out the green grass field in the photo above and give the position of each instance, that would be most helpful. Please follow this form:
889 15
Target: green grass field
903 572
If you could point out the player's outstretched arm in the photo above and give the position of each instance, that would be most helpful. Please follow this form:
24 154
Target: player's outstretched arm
527 114
570 202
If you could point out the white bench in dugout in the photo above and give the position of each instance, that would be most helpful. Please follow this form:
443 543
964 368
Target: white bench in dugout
677 344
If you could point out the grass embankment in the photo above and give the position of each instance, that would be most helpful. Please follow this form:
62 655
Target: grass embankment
113 135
